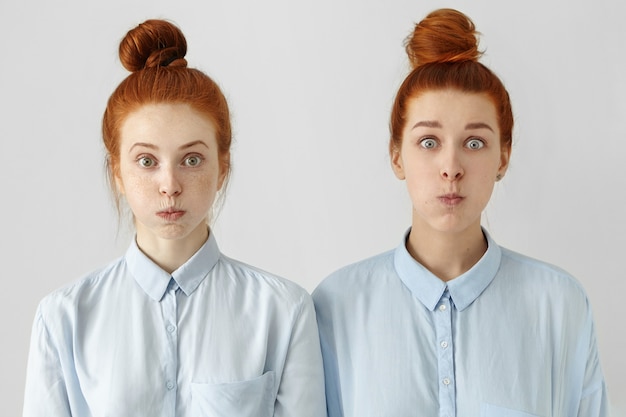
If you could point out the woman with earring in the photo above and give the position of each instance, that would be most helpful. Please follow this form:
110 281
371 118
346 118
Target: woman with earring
449 323
174 327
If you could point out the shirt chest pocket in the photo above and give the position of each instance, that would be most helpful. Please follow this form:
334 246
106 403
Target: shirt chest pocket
251 398
489 410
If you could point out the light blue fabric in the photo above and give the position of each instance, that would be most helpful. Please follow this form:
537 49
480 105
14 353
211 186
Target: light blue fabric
512 336
216 338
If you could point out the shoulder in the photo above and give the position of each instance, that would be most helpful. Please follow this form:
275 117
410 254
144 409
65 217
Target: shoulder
535 268
261 282
532 272
545 295
67 297
358 276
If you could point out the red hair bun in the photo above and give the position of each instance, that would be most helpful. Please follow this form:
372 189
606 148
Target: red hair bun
445 35
154 43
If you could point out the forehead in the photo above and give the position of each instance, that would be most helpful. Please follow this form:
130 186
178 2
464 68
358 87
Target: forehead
165 124
451 107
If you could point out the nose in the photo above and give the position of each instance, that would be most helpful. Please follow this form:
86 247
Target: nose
451 166
169 185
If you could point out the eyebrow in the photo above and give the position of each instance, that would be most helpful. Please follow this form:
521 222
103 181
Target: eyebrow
151 146
478 125
469 126
427 123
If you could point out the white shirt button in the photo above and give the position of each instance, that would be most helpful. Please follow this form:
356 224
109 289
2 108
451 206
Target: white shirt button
169 385
446 381
171 328
442 307
444 344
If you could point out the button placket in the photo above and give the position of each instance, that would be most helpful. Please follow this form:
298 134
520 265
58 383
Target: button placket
170 319
445 355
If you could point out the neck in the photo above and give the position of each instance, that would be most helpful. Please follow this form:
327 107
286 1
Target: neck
170 254
447 255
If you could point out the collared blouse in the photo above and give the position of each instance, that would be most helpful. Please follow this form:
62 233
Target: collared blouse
511 337
215 338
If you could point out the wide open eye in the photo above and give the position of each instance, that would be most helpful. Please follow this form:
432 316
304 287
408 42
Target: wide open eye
192 161
428 143
146 162
475 143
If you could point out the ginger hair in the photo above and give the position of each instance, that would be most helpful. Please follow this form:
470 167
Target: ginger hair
443 53
154 52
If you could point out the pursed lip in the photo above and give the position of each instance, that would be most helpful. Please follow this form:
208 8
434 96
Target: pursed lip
171 214
450 199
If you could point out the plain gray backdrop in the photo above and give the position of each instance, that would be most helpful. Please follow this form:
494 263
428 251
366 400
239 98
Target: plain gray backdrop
310 84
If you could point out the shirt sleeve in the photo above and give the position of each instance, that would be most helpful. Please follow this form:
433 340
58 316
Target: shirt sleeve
301 390
45 393
594 399
329 355
594 404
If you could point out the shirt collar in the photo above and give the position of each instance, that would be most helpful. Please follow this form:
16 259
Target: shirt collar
154 280
463 290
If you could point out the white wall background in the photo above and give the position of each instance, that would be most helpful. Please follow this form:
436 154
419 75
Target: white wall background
310 84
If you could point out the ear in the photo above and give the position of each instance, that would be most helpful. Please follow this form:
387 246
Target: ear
505 156
224 168
396 161
119 184
114 175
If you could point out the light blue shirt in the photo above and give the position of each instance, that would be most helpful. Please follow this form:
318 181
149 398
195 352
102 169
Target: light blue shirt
511 337
214 338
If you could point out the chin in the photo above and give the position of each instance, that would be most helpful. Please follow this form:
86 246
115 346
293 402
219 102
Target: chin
458 227
452 224
173 232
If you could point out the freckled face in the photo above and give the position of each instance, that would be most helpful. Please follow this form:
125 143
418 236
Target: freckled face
450 157
169 170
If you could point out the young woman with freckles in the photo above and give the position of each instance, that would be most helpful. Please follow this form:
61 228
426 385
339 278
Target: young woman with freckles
174 327
449 323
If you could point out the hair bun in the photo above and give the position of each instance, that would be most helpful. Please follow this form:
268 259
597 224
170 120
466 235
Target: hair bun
153 43
445 35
